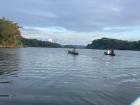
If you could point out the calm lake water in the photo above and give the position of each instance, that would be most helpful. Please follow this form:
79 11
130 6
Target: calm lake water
47 76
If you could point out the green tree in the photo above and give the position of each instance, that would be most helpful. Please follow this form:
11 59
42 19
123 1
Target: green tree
9 34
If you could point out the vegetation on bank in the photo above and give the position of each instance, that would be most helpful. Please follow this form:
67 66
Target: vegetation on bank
9 34
106 43
38 43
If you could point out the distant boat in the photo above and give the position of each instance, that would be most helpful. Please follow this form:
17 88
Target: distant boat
72 52
109 54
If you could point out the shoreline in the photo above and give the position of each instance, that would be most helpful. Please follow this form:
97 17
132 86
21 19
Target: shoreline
10 46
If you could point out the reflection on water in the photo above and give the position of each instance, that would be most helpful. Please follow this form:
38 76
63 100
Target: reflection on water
8 67
4 81
40 76
8 61
4 95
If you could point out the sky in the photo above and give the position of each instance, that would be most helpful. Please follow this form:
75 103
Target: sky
74 21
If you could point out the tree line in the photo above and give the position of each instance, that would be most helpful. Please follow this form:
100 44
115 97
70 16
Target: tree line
106 43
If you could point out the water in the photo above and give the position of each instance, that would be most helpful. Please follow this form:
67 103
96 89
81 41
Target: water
47 76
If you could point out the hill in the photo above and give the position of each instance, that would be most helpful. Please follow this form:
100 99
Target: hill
106 43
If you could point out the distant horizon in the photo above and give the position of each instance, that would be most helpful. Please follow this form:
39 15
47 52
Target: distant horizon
74 22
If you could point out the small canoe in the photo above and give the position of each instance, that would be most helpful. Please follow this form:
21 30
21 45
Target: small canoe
74 53
109 54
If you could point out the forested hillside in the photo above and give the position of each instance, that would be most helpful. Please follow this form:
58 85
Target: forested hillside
106 43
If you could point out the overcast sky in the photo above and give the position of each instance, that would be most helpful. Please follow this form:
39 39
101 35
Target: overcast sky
74 21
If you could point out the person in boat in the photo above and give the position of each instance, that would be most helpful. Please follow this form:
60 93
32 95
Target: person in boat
74 50
110 51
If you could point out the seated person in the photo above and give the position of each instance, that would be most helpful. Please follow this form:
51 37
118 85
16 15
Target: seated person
110 51
74 50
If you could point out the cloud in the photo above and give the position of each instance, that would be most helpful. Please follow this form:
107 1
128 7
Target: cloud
79 15
37 13
58 34
75 17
